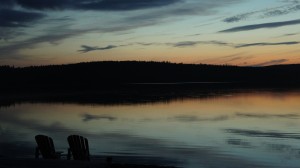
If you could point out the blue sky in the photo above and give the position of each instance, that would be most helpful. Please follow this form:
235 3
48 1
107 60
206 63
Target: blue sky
235 32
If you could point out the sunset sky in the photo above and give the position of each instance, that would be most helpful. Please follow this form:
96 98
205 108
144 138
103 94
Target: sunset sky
235 32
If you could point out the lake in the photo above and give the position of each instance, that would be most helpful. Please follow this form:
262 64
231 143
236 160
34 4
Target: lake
245 128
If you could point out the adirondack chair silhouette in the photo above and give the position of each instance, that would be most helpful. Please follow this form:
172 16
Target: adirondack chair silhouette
79 148
46 148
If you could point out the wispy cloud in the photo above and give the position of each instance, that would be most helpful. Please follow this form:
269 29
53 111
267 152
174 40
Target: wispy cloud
238 18
139 13
261 26
184 44
16 18
272 62
266 44
93 5
86 48
291 7
13 50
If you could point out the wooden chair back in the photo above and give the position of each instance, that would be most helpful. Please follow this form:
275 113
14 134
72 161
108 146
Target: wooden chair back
79 148
45 147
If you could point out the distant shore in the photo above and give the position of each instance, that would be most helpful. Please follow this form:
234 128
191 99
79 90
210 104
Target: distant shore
114 74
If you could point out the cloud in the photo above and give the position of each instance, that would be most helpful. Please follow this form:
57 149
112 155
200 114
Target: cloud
93 4
183 44
238 18
6 3
194 43
51 36
290 34
15 18
187 8
186 44
86 48
89 117
272 62
7 34
221 43
292 6
267 134
134 20
261 26
266 44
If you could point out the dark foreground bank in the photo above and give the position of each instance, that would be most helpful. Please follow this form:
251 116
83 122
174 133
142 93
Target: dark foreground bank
99 75
95 163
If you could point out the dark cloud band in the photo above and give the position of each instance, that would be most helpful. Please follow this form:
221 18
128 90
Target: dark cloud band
266 44
261 26
93 5
86 48
14 18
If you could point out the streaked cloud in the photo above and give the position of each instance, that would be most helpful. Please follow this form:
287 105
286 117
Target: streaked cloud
261 26
32 27
238 18
92 5
272 62
86 48
289 7
266 44
51 36
184 44
15 18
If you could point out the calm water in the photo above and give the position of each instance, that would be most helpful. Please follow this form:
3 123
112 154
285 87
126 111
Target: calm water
245 129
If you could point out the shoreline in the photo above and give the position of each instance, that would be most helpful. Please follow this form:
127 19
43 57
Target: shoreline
63 163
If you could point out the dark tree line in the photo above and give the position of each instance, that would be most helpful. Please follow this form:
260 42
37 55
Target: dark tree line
95 75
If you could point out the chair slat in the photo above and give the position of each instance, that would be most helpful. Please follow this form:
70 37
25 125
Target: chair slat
79 147
46 147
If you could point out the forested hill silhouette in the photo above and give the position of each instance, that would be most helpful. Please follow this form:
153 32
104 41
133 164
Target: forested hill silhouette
93 75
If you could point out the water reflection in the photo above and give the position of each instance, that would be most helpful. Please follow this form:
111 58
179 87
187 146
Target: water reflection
243 129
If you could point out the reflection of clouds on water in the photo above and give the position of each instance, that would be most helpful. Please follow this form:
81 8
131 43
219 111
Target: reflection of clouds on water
282 148
239 142
192 118
89 117
32 124
128 142
266 134
264 116
191 132
288 151
196 155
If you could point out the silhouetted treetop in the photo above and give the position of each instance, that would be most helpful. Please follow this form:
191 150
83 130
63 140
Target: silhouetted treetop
109 73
